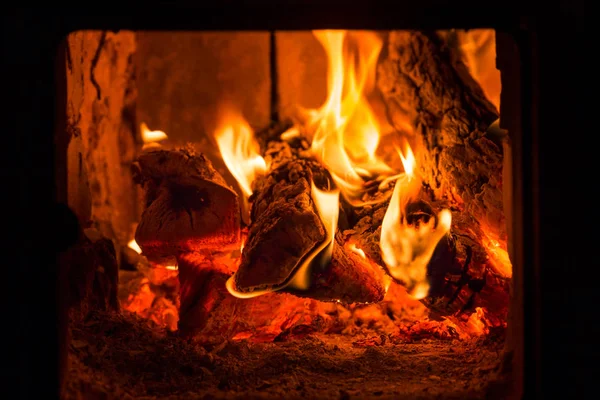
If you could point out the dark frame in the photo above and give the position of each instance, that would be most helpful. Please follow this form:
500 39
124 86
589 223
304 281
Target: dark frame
544 109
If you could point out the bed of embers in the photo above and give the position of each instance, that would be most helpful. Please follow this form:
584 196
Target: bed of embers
372 351
335 270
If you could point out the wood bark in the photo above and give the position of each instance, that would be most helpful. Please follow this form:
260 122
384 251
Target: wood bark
426 86
101 98
189 205
286 229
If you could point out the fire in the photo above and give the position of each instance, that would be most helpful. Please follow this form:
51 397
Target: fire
478 47
327 205
240 151
345 132
356 250
405 249
151 138
133 245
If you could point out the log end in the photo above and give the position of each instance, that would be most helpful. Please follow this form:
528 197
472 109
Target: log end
280 239
190 218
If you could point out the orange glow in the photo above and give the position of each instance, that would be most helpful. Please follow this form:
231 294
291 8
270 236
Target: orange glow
345 132
239 150
405 249
476 324
133 245
149 136
498 253
478 47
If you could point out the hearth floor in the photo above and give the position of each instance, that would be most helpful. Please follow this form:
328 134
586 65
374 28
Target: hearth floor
121 356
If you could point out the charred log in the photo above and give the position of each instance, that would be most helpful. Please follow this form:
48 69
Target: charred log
189 205
424 81
425 85
286 229
347 278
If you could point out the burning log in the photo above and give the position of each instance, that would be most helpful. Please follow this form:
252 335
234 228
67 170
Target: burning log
425 85
189 207
287 232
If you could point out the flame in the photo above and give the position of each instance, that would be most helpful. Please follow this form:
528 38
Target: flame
478 47
360 252
240 151
345 132
405 249
149 136
133 245
327 205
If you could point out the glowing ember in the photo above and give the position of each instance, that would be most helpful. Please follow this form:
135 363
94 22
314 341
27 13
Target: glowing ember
405 249
345 132
133 245
240 151
149 136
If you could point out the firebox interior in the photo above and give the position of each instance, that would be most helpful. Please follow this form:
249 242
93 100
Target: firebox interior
262 210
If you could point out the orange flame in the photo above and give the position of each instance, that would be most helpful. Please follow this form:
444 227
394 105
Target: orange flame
360 252
133 245
240 151
478 47
151 138
406 250
345 132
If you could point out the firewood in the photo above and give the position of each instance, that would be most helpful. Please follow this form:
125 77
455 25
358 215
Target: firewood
347 278
460 162
189 205
286 229
425 85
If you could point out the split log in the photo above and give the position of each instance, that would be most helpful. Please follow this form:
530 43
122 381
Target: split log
286 229
189 207
210 315
426 86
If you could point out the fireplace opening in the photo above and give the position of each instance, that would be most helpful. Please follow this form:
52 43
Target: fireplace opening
320 214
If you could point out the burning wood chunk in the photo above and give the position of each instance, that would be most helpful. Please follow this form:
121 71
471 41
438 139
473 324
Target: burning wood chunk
461 164
425 84
348 278
209 314
189 205
286 230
